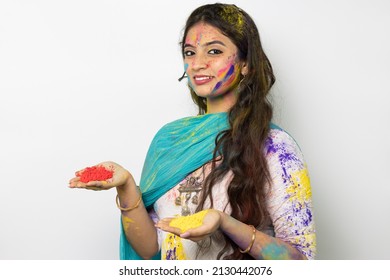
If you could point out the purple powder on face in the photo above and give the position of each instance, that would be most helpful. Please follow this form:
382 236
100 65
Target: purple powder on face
230 72
217 86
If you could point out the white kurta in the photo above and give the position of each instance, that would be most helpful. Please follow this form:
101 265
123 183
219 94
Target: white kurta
288 201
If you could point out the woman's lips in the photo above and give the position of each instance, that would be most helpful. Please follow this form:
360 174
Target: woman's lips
202 79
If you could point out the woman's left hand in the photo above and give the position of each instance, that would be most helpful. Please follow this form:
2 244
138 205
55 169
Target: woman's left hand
211 223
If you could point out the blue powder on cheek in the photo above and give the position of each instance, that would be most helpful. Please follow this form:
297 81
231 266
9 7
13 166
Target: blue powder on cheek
230 72
188 77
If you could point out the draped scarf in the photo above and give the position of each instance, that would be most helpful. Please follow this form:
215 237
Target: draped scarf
178 148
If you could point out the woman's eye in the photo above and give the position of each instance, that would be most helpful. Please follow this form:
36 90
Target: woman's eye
188 53
215 51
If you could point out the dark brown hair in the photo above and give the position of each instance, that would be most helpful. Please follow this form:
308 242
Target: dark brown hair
241 147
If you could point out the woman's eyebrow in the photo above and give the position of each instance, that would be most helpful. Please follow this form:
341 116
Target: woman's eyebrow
206 44
214 42
188 45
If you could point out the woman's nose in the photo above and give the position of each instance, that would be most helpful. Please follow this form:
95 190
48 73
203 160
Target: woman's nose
199 62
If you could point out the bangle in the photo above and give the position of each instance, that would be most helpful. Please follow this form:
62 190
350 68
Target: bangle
130 208
252 241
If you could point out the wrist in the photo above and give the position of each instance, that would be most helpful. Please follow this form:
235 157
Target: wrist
223 220
129 186
129 195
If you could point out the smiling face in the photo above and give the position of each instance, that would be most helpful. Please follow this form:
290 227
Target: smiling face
211 62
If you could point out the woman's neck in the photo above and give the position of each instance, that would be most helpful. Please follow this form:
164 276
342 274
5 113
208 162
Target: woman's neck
221 103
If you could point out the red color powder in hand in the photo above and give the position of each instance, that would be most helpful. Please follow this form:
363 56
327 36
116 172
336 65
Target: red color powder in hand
95 173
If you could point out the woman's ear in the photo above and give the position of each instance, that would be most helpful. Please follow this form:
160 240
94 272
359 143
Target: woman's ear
244 68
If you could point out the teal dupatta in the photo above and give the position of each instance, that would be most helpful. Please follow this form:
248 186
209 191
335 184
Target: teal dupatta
178 149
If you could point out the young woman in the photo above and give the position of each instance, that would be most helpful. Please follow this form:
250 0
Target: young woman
229 159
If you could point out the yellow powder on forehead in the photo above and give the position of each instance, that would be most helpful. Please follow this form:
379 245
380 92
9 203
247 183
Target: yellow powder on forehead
185 223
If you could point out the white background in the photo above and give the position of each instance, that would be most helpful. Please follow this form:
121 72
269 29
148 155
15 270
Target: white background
87 81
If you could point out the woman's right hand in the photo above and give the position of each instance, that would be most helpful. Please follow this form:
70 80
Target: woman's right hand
120 178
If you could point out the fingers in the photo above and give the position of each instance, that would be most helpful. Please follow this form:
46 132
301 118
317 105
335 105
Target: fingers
93 185
164 225
75 182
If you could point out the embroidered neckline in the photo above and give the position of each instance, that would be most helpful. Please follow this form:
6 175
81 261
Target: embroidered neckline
189 190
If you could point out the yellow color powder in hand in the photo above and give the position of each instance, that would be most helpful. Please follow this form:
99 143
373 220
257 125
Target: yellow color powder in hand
185 223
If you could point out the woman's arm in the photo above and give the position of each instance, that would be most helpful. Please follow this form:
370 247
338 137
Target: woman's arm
137 224
264 247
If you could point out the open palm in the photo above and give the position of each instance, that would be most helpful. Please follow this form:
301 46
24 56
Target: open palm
120 175
211 223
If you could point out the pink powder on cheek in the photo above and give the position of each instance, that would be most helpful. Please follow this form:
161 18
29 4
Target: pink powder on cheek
229 77
223 71
231 61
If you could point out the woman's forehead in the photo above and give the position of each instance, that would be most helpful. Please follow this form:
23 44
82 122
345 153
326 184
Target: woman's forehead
204 32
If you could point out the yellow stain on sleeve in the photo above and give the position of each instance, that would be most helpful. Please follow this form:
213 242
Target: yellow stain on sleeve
300 190
309 240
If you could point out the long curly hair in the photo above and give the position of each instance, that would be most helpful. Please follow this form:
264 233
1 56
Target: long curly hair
240 148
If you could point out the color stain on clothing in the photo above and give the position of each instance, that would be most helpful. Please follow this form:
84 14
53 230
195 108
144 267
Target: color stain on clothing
306 240
185 223
173 248
300 189
296 196
95 173
299 194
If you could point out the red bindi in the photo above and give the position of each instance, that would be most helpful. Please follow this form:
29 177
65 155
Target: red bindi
95 173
